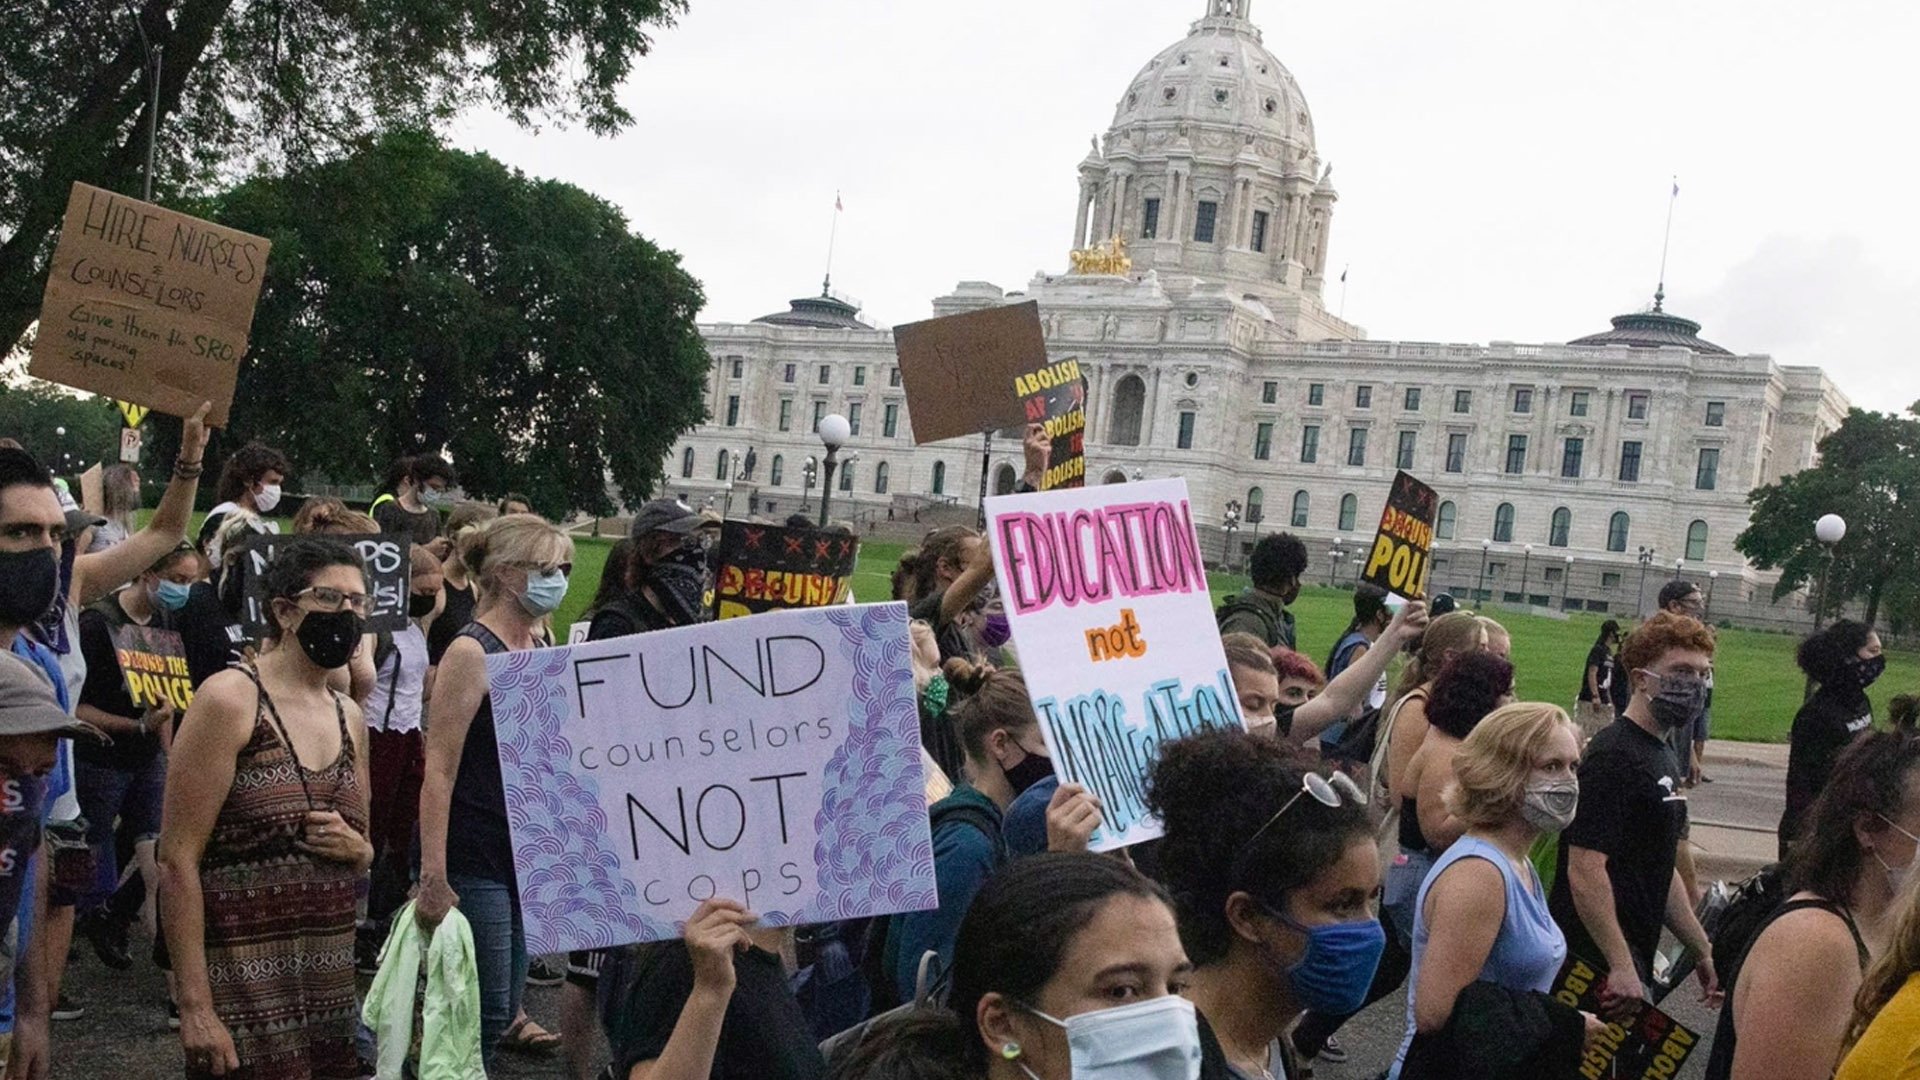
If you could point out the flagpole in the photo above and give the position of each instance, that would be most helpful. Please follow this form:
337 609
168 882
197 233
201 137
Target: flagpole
1660 289
1343 290
826 283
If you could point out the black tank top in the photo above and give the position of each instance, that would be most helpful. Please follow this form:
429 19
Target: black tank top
1411 837
479 844
1725 1038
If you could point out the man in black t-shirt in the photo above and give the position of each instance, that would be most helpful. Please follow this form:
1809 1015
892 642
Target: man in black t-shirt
1616 884
417 489
1593 709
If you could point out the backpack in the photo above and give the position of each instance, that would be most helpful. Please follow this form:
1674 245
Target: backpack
1733 926
1239 605
873 959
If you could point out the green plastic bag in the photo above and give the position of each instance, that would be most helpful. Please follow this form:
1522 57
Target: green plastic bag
450 1018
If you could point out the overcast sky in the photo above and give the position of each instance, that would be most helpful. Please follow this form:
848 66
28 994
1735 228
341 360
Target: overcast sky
1503 165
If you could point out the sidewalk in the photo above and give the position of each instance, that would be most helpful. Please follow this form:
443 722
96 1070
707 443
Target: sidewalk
1735 834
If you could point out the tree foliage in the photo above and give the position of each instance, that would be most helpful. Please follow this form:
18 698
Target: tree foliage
36 414
1869 474
252 85
421 299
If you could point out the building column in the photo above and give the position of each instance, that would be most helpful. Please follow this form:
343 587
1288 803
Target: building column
1080 217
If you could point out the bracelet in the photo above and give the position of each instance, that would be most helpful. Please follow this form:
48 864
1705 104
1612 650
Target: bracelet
188 470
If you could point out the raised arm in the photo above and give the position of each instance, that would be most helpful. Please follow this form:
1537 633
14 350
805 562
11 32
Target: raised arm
1350 688
96 575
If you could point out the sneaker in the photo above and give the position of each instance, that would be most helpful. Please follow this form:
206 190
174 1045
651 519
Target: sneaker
544 972
1332 1052
173 1015
66 1009
366 956
108 936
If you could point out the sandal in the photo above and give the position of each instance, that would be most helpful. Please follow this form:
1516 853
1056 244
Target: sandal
529 1038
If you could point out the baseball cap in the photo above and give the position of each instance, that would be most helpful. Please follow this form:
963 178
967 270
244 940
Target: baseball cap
665 515
27 704
77 518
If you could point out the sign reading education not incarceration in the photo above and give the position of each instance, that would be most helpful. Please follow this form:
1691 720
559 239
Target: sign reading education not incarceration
148 305
775 761
1107 597
1641 1042
767 568
1401 549
153 662
1055 396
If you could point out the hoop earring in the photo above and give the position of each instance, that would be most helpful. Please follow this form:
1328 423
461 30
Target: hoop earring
1010 1050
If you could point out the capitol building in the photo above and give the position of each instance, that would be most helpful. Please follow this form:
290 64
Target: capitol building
1569 472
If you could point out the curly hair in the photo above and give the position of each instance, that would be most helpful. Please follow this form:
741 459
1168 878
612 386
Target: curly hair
245 468
1825 655
1277 561
1467 689
1664 633
1214 792
298 561
940 545
1495 761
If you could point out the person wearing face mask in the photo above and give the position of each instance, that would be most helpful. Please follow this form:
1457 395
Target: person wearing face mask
1275 567
1482 912
1593 707
123 781
1790 997
417 488
519 565
1617 882
266 799
1005 756
1883 1039
1844 659
249 490
1273 873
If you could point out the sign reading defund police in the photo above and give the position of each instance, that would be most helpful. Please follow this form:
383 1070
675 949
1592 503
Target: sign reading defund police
773 760
1108 601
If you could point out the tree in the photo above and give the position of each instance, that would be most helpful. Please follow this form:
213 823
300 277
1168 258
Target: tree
426 300
55 425
1869 474
252 85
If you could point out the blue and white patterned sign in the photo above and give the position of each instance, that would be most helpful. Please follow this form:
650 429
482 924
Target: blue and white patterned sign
774 760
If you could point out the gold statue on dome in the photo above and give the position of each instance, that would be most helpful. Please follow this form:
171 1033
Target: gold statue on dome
1106 257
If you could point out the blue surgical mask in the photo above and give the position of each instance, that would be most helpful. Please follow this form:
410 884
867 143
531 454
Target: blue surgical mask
545 591
1333 975
171 595
1155 1039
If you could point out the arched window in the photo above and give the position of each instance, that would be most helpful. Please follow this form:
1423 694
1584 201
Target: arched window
1503 524
1617 529
686 464
846 477
939 478
720 466
1448 521
1114 476
1129 405
1349 510
1562 525
880 479
1255 512
1301 503
777 471
1697 542
1004 481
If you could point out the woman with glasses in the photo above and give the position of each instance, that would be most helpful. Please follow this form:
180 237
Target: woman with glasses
1273 874
265 842
519 566
1482 913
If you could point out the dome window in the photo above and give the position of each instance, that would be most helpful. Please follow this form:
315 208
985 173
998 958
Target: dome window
1224 62
1263 69
1193 380
1133 99
1271 106
1169 92
1219 97
1183 59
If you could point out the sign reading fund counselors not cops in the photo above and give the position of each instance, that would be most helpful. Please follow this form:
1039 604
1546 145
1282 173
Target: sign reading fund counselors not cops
1107 597
773 760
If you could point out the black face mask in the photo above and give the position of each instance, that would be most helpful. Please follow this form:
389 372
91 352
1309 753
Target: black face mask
420 605
329 637
1032 769
1868 670
29 581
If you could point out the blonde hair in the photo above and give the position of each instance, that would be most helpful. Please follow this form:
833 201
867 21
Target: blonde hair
318 514
1896 965
1495 761
422 561
1451 634
1494 631
1247 651
463 521
521 540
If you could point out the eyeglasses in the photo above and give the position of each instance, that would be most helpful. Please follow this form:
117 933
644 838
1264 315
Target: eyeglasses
565 568
1338 790
331 599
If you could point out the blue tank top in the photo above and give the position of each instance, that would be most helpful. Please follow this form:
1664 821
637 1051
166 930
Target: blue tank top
1526 954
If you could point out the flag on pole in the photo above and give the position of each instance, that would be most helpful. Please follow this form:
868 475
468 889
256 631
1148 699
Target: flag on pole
837 207
1343 275
1676 187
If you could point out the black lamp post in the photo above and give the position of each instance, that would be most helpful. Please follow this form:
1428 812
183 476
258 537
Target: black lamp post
1228 523
1486 549
834 431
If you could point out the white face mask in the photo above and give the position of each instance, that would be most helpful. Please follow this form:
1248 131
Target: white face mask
1156 1039
1900 876
266 498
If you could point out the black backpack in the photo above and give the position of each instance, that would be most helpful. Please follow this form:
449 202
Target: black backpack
1239 605
1733 927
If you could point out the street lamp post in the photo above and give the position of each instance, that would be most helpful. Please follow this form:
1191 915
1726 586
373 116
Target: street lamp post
834 432
727 509
1486 549
1139 475
1526 573
1228 523
1646 560
807 476
1713 578
1566 584
1829 530
1359 560
1333 561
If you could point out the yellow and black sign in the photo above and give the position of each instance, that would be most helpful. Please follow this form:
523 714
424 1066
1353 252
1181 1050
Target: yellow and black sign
133 414
1404 544
154 664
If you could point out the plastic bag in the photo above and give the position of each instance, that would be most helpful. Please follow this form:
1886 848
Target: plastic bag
450 1018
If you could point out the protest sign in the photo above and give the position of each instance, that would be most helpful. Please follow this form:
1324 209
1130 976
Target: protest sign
1641 1042
765 568
959 370
772 760
153 662
1107 597
1056 396
1398 560
147 305
93 490
389 564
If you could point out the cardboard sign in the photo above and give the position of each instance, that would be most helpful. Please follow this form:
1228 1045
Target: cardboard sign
93 490
765 568
147 305
389 566
772 760
1401 549
154 664
1107 597
131 443
1056 396
959 370
1643 1043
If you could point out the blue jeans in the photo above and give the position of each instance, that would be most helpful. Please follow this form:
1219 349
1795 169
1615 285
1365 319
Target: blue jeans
110 798
492 909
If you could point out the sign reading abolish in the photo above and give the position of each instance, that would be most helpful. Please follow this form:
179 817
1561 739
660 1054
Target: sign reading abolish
1398 561
148 306
764 568
1642 1043
1056 397
389 562
772 760
154 664
959 370
1107 598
